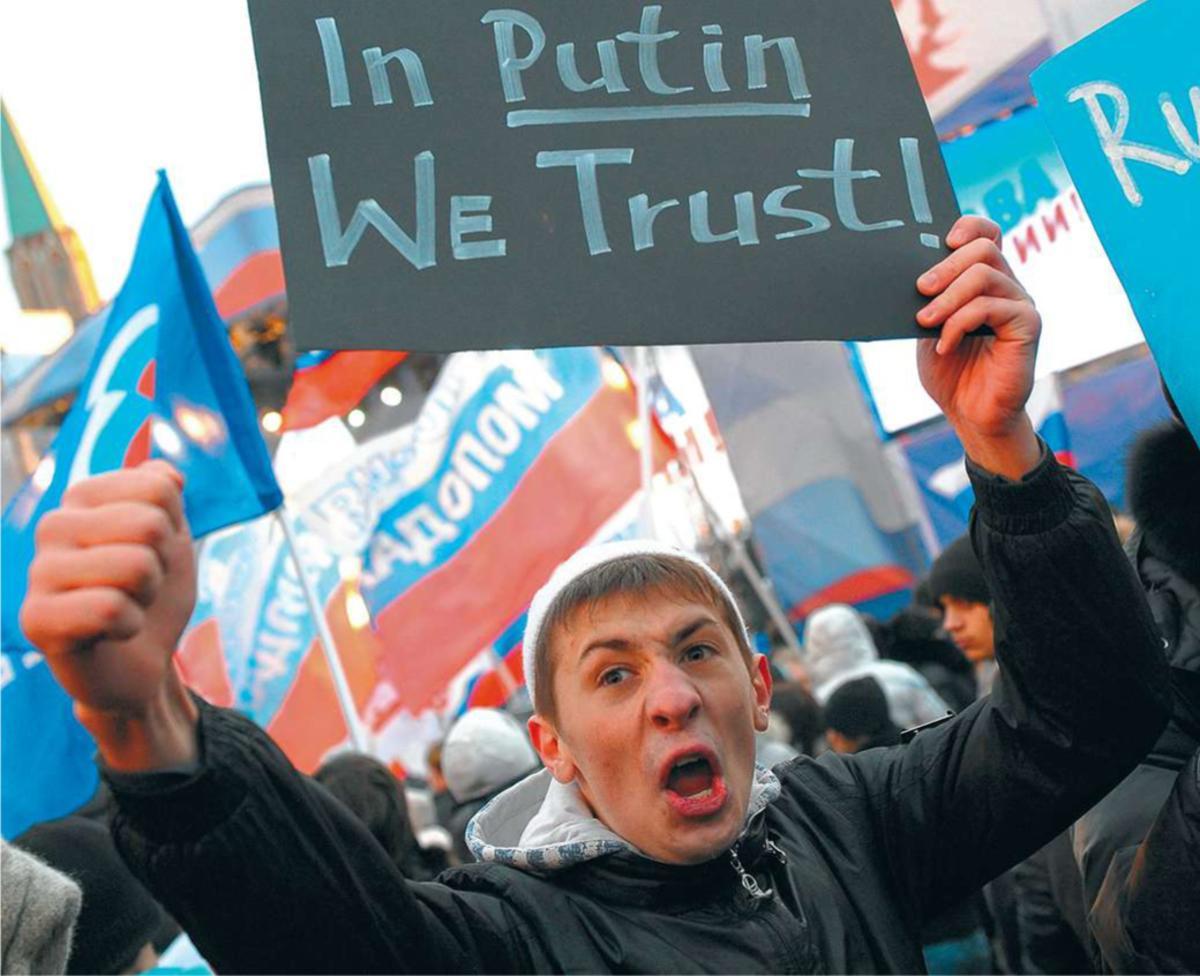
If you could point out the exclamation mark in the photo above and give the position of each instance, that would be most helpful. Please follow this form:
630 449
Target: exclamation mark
918 195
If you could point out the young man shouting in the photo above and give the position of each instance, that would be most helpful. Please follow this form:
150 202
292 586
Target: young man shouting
650 842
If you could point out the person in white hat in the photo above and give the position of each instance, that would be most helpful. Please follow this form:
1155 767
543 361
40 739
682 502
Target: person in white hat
650 842
485 753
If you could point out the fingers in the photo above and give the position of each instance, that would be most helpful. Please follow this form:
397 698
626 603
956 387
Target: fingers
103 557
998 313
134 570
970 228
977 280
119 523
59 622
978 251
153 483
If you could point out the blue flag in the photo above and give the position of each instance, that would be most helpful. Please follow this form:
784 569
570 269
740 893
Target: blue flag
1124 108
163 382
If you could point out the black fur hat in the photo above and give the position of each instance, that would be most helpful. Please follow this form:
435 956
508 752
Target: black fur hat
1164 495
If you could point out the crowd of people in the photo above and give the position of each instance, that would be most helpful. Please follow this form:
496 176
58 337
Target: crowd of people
1003 777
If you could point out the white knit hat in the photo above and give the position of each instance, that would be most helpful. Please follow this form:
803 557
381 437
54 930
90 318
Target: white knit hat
485 750
587 559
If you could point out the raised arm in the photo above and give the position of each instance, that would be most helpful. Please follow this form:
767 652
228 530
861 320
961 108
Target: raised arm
264 869
1082 689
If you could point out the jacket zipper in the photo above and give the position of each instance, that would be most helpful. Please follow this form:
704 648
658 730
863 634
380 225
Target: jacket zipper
749 882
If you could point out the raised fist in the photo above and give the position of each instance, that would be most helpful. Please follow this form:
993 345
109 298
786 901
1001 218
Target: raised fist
111 588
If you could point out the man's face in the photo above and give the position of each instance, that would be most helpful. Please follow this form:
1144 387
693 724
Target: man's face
656 715
969 625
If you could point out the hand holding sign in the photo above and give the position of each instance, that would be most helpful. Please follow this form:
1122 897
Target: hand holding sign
981 384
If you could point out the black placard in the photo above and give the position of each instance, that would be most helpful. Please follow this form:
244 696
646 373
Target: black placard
433 178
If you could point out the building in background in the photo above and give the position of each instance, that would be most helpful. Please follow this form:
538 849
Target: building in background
46 261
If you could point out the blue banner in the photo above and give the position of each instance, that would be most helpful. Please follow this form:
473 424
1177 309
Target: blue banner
163 382
1124 108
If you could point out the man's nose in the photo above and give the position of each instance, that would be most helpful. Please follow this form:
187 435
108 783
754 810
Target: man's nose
672 699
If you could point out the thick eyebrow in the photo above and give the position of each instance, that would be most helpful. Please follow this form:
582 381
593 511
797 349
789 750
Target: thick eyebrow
620 644
689 629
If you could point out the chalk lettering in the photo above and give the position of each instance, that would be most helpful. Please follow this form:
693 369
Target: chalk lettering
653 113
774 206
714 66
335 62
414 74
1188 144
793 66
585 162
469 215
338 245
503 23
746 231
844 176
642 216
610 78
647 40
1112 137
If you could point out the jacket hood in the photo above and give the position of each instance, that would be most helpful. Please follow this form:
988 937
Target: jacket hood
541 825
836 641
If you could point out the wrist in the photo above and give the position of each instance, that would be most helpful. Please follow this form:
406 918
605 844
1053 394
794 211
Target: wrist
1011 452
161 735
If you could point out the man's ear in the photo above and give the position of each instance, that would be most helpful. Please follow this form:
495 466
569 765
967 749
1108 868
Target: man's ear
555 753
762 682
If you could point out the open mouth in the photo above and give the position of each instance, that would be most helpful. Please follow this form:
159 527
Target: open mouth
694 786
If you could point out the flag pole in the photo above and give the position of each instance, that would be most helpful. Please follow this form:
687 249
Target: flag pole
359 736
646 449
762 587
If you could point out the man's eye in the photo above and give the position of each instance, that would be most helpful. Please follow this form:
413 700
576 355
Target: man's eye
698 652
614 676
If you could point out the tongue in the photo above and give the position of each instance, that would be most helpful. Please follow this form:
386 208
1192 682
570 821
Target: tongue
691 778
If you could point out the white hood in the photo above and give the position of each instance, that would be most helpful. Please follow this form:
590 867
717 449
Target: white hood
541 825
836 641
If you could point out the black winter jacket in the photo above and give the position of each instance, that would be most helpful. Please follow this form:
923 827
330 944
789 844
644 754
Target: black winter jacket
1146 912
1164 478
267 875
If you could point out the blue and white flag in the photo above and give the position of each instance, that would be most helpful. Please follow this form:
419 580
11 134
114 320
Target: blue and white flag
164 382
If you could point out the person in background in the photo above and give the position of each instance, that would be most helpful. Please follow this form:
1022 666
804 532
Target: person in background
37 914
437 846
914 636
443 802
1030 931
368 788
957 583
794 707
856 718
1145 913
484 754
838 648
1163 493
118 919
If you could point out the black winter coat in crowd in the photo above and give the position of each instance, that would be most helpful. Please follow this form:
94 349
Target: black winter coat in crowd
1164 493
844 859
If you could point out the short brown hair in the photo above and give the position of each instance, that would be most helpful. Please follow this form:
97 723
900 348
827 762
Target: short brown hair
630 576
